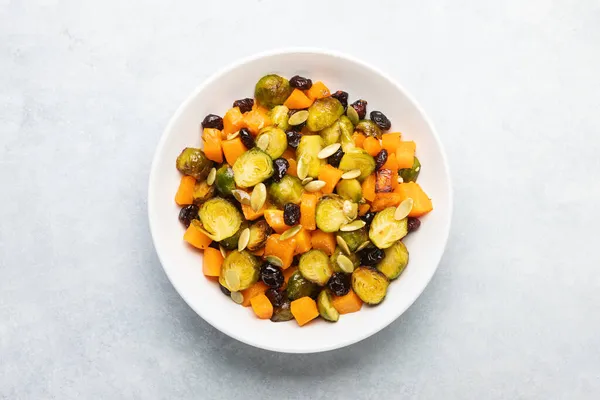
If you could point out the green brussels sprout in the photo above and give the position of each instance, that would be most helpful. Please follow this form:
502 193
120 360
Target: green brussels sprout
252 167
354 238
386 230
279 117
194 163
338 250
288 190
242 265
277 141
346 132
326 308
231 243
298 287
349 189
272 90
202 192
259 232
370 285
411 174
369 128
224 180
282 313
308 152
394 261
357 158
220 218
331 134
323 112
314 265
330 215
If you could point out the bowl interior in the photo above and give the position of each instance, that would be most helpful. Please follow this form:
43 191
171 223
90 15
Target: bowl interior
183 264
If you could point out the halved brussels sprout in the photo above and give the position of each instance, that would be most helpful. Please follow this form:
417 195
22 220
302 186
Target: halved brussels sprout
283 312
202 192
314 266
298 287
194 163
370 285
326 308
279 117
411 174
395 260
308 149
252 167
259 232
231 243
242 265
354 238
288 190
220 218
349 189
272 90
224 180
346 130
386 230
323 112
369 128
277 141
338 250
330 215
357 158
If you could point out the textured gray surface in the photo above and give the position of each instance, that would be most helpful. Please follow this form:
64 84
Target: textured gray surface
85 91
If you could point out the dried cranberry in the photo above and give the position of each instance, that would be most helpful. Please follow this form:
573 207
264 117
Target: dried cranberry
247 138
281 166
368 217
300 82
370 257
361 108
293 138
212 121
271 275
380 120
335 158
380 159
291 214
342 97
225 291
339 284
245 105
187 214
276 297
413 224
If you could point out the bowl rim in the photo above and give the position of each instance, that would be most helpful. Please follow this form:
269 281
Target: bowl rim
282 51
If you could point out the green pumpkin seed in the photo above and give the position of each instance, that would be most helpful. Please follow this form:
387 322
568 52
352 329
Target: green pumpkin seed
274 260
211 176
258 197
403 209
293 231
353 226
263 142
314 186
298 117
352 115
237 297
350 209
241 196
244 239
233 135
306 180
232 280
328 151
345 264
353 173
223 251
363 245
302 168
343 245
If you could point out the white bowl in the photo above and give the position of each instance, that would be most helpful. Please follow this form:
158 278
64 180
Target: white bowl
183 265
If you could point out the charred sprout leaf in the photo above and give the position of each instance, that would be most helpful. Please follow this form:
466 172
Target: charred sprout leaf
279 117
369 128
224 180
259 232
202 192
308 150
252 167
244 266
411 174
359 159
277 141
354 238
386 230
370 285
231 243
220 218
314 266
272 90
323 112
194 163
287 190
299 287
395 260
353 257
330 215
326 308
349 189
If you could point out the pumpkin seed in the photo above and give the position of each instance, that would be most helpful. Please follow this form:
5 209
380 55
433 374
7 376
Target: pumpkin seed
353 226
314 186
241 196
350 209
233 135
223 251
232 280
363 245
298 118
211 176
237 297
403 209
258 197
302 168
352 115
343 245
274 260
244 239
328 151
293 231
263 142
400 179
306 180
353 173
345 264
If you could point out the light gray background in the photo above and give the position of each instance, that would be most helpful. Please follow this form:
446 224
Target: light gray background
86 89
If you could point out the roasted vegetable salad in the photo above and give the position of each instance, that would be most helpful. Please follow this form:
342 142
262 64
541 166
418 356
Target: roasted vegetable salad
299 202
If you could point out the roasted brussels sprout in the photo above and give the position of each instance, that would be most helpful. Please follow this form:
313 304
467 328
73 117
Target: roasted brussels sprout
224 180
354 238
357 158
298 287
231 243
370 285
272 90
346 132
279 117
331 134
369 128
338 250
252 167
288 190
259 232
411 174
277 141
194 163
330 215
349 189
323 112
202 192
315 266
395 260
282 313
386 230
220 218
239 271
308 151
326 308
